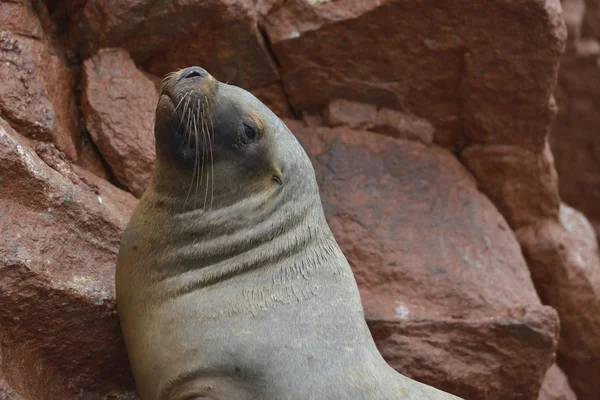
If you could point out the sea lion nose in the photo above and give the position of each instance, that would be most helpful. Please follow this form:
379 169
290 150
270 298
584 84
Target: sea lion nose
192 72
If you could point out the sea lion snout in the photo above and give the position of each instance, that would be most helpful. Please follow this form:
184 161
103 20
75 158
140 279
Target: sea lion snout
192 72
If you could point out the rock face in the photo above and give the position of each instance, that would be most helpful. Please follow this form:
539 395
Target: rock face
223 37
443 281
575 137
118 104
446 290
564 261
355 115
36 87
59 236
522 184
472 65
556 386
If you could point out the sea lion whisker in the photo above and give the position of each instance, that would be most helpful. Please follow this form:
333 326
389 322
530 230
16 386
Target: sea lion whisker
195 168
200 177
204 150
180 101
185 108
199 167
212 163
166 79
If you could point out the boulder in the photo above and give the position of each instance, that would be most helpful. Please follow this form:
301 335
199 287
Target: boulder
36 86
403 126
355 115
565 266
351 114
221 36
6 392
521 183
478 71
591 22
575 136
446 291
556 386
60 229
118 104
274 98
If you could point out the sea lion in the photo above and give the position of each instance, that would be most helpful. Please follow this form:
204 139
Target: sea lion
230 283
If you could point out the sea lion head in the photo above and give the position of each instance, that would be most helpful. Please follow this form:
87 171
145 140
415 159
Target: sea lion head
220 138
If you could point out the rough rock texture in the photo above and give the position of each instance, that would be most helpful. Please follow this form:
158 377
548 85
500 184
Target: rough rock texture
36 87
565 265
59 234
556 386
221 36
350 113
403 126
522 184
118 104
6 392
272 95
389 122
479 71
444 285
575 137
591 21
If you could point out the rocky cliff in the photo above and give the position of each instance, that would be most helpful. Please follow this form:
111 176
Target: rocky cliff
428 125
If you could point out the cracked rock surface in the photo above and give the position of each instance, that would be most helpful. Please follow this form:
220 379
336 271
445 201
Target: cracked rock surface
428 124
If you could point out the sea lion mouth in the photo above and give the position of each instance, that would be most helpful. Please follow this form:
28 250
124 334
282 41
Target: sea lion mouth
189 92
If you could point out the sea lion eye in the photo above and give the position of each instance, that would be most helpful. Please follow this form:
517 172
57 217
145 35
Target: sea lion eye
250 133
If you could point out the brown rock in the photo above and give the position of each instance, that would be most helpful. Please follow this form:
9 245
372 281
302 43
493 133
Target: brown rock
6 392
565 266
59 236
522 184
403 126
591 23
36 86
575 136
312 120
274 98
573 13
220 36
446 290
556 386
89 158
118 104
351 114
478 71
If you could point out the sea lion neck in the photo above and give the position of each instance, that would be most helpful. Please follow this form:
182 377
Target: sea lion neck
257 230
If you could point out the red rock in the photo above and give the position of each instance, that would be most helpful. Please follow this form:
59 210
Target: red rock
565 266
575 136
36 86
6 392
274 98
573 13
556 386
446 290
118 104
221 36
591 23
313 120
89 158
59 236
403 126
522 184
393 123
478 71
351 114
